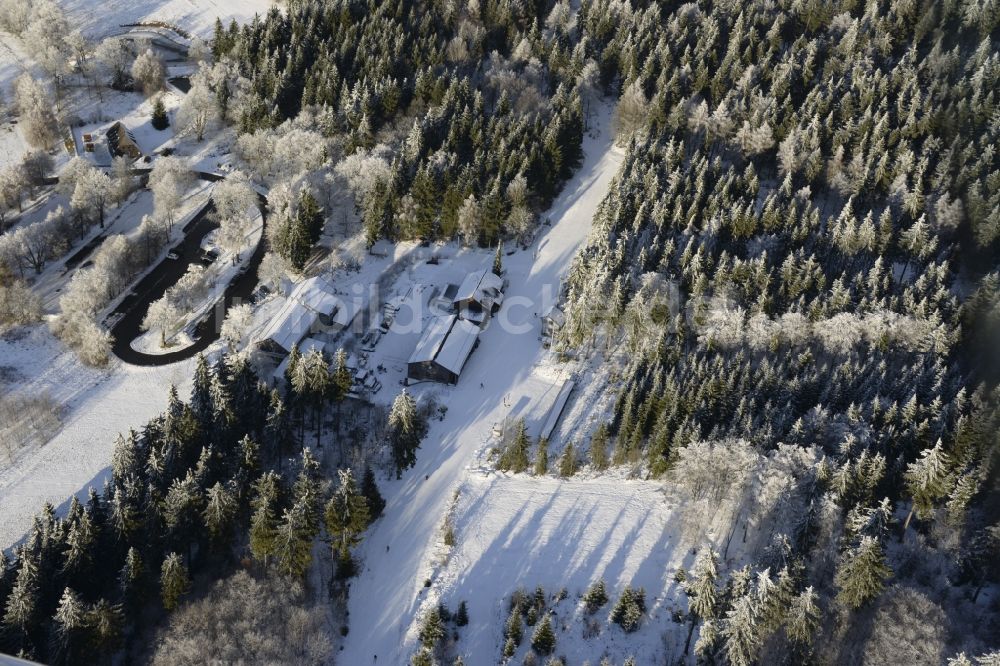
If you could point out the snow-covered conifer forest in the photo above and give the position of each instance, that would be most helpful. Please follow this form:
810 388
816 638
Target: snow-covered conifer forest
541 332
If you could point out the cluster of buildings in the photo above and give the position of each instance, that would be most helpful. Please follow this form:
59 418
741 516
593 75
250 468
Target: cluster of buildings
314 310
449 340
312 315
315 314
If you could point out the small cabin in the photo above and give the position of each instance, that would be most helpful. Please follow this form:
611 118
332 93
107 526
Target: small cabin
479 296
122 143
553 319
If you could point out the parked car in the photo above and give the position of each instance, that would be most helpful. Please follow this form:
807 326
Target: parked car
173 256
259 294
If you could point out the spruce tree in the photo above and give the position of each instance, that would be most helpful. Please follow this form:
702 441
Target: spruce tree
160 120
130 579
861 574
513 630
201 392
422 657
432 629
406 429
69 636
346 514
595 598
462 615
599 448
342 378
567 461
543 641
263 534
369 488
498 260
542 457
515 456
174 581
629 609
803 618
20 613
220 507
927 481
701 589
182 511
105 624
740 631
293 542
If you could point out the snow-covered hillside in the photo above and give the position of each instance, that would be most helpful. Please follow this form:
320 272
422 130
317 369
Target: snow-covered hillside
194 16
390 587
515 532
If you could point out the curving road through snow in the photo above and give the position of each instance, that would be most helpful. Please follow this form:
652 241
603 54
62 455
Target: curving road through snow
387 594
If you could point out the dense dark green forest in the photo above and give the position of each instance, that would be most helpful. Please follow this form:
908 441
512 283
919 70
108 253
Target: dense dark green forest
223 478
487 97
801 248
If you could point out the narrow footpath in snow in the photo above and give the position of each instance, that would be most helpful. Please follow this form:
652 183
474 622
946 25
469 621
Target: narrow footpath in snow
388 592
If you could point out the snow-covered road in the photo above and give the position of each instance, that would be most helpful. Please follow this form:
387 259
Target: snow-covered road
388 592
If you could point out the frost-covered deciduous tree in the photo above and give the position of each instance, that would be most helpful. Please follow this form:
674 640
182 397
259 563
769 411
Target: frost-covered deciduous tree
363 169
169 179
162 315
34 107
908 628
149 72
115 57
632 113
469 220
236 324
91 194
235 205
245 618
198 109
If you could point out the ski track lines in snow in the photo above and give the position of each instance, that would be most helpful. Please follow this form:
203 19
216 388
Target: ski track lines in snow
523 532
387 593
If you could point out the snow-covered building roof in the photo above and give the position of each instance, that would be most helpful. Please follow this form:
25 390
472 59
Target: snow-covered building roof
555 412
122 142
447 342
430 341
292 323
555 315
316 294
347 310
457 346
482 287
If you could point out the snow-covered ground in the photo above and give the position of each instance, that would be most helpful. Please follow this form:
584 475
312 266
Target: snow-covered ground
195 16
99 404
386 596
522 531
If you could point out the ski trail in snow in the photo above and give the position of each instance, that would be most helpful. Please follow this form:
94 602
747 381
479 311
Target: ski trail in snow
387 594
